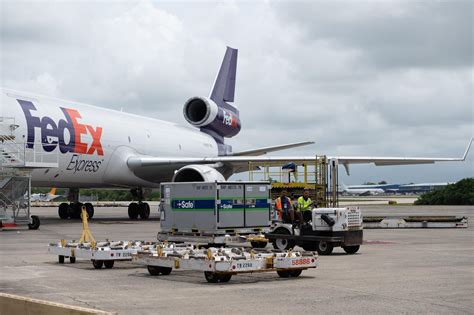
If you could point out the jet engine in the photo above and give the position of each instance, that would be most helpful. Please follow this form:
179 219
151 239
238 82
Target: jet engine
205 114
197 173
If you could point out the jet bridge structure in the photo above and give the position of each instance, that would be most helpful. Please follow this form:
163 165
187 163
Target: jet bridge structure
17 162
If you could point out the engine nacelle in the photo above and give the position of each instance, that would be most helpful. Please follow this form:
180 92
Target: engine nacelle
206 114
197 173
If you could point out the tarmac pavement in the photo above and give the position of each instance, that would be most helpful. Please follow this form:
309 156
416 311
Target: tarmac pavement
396 271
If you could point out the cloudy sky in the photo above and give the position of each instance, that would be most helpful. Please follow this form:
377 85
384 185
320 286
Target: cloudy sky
385 78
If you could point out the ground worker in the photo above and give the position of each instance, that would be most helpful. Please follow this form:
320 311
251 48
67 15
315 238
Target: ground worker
284 208
304 205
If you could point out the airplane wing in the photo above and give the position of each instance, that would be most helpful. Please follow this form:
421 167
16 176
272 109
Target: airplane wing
265 150
241 163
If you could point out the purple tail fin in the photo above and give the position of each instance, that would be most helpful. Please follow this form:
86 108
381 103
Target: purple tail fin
224 86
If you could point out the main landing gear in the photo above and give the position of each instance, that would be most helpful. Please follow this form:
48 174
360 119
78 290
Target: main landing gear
136 209
73 210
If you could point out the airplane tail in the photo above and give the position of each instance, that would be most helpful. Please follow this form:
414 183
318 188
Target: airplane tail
224 85
214 115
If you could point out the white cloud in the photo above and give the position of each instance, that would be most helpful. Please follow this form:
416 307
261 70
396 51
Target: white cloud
365 78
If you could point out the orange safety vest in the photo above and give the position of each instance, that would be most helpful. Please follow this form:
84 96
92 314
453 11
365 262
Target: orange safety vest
279 206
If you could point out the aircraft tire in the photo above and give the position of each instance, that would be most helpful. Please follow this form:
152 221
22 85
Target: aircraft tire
89 209
63 211
133 210
144 210
35 223
76 209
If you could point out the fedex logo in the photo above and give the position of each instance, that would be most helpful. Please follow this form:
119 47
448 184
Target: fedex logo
229 119
55 134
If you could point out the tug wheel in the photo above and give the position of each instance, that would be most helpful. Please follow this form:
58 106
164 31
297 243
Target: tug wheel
97 264
325 248
351 249
72 260
282 243
109 263
310 246
61 259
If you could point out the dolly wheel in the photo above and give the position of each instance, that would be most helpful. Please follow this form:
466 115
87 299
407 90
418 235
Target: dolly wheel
165 270
351 249
109 263
72 260
296 273
284 273
61 259
225 277
153 270
211 277
97 264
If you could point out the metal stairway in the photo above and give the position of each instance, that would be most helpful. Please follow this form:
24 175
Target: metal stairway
15 198
17 162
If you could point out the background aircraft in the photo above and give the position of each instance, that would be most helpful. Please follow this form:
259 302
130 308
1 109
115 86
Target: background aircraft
362 191
97 147
50 196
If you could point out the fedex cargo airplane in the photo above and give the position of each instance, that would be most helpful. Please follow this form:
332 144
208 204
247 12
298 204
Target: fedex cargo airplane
98 147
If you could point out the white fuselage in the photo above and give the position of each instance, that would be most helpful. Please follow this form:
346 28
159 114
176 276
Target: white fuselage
103 140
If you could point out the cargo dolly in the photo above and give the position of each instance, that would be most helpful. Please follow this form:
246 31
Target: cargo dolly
220 264
100 253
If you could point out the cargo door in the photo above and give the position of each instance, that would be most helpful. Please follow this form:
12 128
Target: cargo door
257 205
230 206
